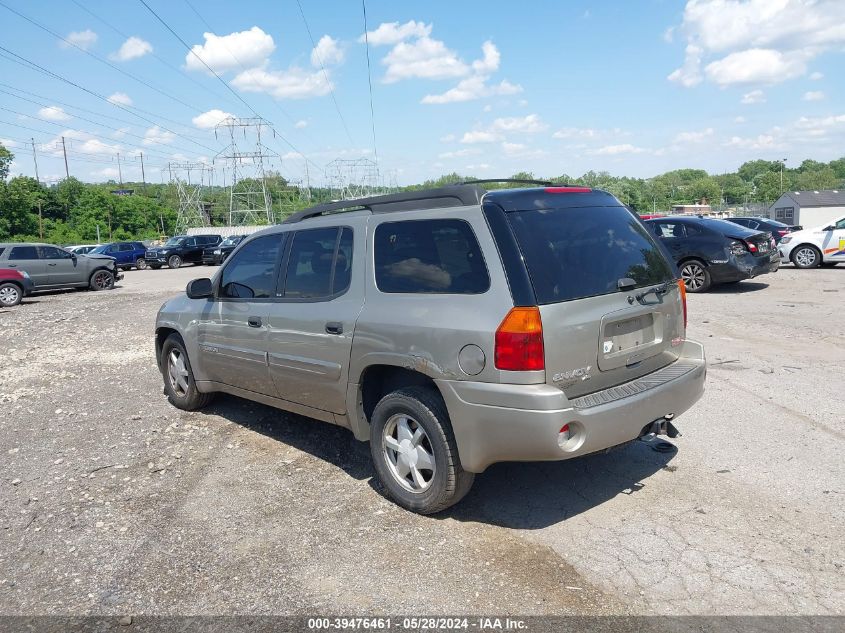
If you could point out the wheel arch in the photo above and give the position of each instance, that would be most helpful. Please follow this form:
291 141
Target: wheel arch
798 247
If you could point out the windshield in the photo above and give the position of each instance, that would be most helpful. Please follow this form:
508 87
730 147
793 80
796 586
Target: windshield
231 241
584 251
99 250
174 241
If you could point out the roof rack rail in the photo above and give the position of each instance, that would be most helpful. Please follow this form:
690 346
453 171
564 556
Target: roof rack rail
459 195
544 183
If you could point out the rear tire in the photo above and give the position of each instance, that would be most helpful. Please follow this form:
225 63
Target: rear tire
101 280
10 295
414 451
174 261
695 275
179 384
806 256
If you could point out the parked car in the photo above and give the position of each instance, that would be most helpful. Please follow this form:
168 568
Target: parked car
50 267
709 251
216 255
82 249
821 246
451 328
126 254
14 286
181 249
777 229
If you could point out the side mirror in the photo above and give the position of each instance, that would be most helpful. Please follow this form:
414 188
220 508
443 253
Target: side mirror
200 288
829 228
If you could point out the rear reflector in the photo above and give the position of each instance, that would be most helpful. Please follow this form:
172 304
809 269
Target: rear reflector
683 290
568 190
751 246
519 341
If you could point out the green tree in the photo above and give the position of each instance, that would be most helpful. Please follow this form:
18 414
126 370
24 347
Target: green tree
6 158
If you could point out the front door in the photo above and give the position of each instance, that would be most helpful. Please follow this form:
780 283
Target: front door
834 243
233 336
193 250
62 267
312 321
27 258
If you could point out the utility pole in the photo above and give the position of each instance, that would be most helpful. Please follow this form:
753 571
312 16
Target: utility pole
782 163
110 210
143 177
35 160
119 174
64 151
40 218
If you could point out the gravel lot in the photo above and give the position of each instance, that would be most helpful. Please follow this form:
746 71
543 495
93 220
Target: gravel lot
113 502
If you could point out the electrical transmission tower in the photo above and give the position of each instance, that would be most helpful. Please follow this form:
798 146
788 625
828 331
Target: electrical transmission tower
190 180
249 200
351 179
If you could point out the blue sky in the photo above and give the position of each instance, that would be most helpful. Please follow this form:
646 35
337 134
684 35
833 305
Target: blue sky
483 88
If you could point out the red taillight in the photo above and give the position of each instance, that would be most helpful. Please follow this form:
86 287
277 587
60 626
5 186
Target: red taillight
782 232
568 190
752 248
683 290
519 341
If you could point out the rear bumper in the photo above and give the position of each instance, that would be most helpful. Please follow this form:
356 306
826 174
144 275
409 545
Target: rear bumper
745 267
497 422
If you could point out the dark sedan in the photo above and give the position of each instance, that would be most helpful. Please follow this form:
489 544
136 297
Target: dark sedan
777 229
709 251
216 255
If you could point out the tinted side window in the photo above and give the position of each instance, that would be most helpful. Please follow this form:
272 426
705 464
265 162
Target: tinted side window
693 230
429 256
191 241
23 252
309 269
669 229
2 248
251 273
126 248
579 252
50 252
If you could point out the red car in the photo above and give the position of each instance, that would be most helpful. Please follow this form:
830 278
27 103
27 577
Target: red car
14 286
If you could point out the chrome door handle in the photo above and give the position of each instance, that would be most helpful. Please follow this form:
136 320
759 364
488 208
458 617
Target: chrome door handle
51 264
334 327
254 321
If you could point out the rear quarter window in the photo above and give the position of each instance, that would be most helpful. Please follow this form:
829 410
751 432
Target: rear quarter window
573 253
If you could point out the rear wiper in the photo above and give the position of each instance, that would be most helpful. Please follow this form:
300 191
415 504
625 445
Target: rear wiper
660 290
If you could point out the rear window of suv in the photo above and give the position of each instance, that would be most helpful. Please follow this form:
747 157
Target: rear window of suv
580 252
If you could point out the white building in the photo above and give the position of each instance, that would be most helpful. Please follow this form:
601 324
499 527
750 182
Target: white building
809 208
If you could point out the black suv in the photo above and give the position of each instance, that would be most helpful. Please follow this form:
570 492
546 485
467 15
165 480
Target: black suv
709 251
181 249
215 255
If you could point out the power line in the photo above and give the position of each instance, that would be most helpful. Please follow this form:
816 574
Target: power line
99 59
33 65
220 79
369 78
325 74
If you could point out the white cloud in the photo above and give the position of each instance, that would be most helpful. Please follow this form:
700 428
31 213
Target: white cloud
528 124
757 41
577 132
111 173
739 119
80 142
424 58
156 136
54 113
755 96
478 167
210 119
761 142
132 48
302 123
615 150
327 52
813 95
816 76
756 65
694 137
479 136
469 151
120 98
489 63
392 32
7 142
83 39
294 83
472 88
226 52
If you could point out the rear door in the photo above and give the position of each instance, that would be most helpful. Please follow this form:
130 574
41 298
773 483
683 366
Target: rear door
27 258
834 246
610 307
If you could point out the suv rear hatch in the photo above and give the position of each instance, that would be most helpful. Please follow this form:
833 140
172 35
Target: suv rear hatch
609 302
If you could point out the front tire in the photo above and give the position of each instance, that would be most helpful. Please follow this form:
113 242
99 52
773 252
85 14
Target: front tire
179 384
806 256
174 261
695 275
10 295
101 280
141 263
414 451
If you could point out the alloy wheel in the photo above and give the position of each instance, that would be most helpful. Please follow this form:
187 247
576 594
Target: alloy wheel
9 295
693 276
141 264
408 453
103 280
177 373
805 257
